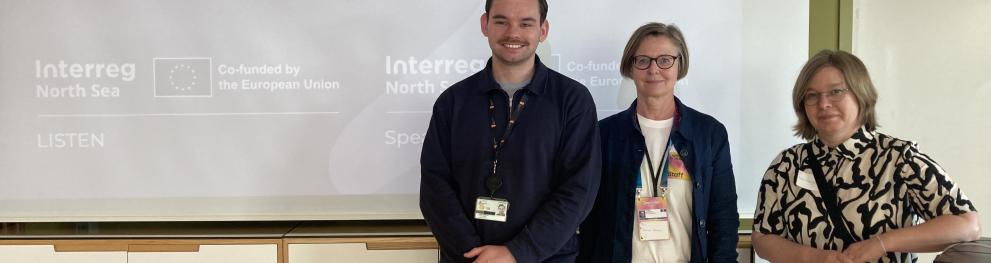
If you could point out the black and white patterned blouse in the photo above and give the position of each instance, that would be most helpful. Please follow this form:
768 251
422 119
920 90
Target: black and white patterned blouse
882 184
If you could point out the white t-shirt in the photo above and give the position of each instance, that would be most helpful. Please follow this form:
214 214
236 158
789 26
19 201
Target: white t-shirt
679 247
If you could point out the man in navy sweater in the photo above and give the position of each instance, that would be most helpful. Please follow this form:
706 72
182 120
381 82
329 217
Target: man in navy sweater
511 161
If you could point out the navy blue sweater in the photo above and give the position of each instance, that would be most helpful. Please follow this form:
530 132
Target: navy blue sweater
550 166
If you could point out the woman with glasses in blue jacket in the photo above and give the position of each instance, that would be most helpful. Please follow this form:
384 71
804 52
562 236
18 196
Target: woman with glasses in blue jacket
667 192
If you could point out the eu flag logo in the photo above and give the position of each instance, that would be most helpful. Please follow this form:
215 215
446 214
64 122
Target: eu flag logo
183 77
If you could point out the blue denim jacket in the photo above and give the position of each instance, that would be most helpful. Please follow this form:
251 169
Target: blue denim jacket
606 234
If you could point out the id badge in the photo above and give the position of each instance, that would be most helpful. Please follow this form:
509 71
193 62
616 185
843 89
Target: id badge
492 209
652 217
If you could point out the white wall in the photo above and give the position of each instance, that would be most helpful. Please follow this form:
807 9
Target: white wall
930 62
768 83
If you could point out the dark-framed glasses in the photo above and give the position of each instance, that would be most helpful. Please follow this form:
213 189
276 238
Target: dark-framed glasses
812 98
663 61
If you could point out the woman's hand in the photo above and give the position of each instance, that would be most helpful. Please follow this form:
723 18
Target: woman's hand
866 250
775 248
835 256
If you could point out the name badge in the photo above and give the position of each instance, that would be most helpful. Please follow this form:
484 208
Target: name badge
807 182
652 217
492 209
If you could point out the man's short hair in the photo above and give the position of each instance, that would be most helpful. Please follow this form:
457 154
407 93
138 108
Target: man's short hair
542 3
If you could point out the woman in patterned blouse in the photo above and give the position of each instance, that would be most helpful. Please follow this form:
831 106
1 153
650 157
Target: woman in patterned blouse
882 185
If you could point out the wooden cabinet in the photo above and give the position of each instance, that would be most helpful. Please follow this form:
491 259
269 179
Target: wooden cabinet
288 250
308 242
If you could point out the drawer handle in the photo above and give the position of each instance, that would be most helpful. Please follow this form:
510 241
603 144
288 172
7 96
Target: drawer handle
91 247
405 244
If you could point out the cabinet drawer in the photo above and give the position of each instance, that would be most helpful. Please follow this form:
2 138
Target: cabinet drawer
247 253
356 252
47 254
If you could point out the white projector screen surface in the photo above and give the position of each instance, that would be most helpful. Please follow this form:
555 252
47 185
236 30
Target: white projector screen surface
306 110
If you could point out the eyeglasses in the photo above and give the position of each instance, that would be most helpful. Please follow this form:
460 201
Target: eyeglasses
663 61
812 98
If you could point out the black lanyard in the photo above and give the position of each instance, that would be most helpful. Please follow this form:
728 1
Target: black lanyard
494 182
656 175
662 170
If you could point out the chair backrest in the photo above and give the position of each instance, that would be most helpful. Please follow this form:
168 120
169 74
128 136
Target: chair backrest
974 251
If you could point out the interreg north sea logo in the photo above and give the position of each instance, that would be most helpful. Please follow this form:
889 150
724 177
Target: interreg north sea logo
183 77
